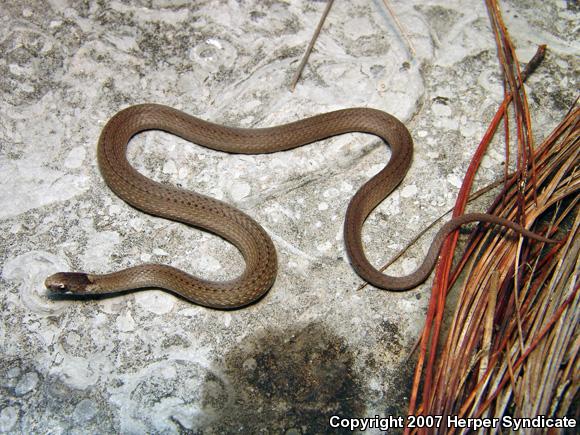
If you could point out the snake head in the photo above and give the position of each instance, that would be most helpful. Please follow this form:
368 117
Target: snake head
68 282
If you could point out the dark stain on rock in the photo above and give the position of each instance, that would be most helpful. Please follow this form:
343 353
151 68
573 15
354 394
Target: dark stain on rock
400 385
290 381
391 337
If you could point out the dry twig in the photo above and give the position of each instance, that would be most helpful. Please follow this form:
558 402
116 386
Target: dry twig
400 26
306 55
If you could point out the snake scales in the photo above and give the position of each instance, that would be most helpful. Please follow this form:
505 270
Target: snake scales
235 226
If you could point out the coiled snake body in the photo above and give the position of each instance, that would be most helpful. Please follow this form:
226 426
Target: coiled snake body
235 226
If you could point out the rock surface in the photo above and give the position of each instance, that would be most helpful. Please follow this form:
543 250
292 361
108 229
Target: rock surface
149 362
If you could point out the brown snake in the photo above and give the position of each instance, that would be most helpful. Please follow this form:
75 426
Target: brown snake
235 226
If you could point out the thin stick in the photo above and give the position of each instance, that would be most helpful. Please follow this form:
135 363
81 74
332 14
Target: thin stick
488 326
400 26
298 72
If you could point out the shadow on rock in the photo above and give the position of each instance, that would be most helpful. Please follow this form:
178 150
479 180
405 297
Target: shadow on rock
289 381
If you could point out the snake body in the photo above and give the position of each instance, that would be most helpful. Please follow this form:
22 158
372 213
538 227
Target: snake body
235 226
